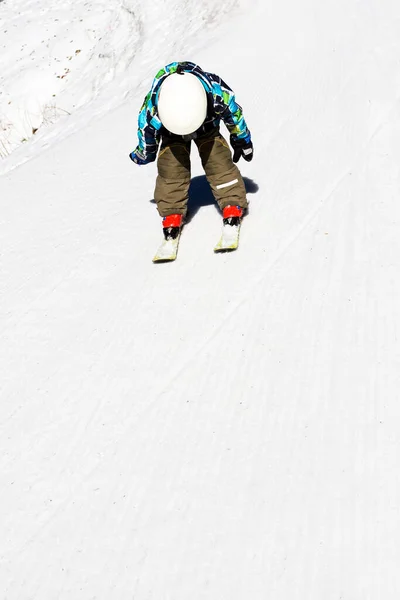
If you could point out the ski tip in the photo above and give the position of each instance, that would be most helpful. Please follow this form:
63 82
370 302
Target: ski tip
160 259
229 239
168 251
225 250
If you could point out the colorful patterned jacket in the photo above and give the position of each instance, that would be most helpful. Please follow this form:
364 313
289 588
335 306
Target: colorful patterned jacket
221 105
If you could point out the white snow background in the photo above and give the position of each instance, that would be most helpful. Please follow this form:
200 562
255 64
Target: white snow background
226 427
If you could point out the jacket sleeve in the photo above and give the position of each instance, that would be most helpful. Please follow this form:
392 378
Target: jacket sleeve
148 131
232 115
149 124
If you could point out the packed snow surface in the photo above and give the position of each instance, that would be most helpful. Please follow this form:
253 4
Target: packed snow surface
224 427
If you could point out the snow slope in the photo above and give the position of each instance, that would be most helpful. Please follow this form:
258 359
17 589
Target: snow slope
224 427
58 58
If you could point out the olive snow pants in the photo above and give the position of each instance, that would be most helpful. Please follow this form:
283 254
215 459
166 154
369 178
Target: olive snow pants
173 180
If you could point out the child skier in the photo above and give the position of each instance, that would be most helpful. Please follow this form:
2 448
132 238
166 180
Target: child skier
185 103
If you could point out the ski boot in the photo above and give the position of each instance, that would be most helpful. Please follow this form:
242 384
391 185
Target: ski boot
232 215
172 225
229 240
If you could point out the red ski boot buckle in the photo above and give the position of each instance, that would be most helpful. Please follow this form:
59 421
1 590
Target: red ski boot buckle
232 211
172 221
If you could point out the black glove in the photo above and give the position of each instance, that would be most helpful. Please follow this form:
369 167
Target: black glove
242 147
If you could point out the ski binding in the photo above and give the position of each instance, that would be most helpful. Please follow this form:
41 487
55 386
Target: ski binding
229 239
168 250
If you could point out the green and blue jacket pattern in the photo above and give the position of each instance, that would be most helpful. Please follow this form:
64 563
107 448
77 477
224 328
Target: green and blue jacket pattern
221 105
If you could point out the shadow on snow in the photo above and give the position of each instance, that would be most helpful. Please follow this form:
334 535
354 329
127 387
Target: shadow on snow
200 194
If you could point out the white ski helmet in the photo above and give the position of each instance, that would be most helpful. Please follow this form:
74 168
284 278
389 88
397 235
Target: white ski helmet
182 103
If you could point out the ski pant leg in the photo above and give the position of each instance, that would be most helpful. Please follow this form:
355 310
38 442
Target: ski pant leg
222 174
172 185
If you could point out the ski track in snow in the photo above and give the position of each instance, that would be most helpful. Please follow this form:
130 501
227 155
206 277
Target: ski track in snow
224 426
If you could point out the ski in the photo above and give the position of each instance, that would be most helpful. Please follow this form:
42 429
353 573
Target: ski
229 239
168 250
